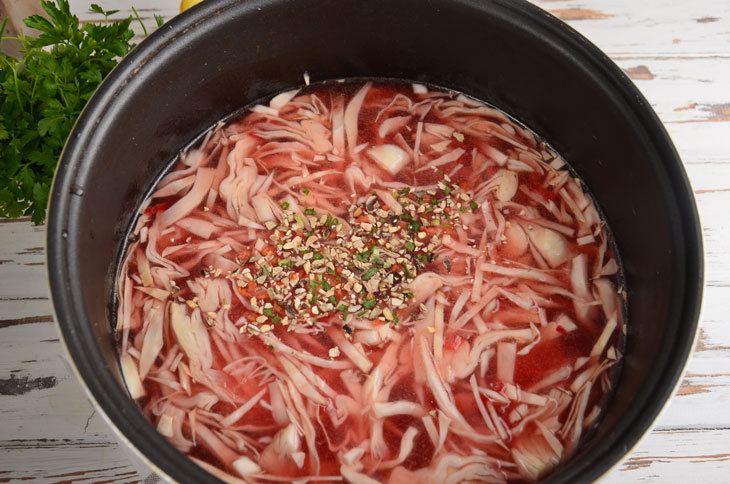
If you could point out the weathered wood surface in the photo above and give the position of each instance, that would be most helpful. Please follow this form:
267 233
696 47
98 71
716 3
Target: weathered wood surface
678 54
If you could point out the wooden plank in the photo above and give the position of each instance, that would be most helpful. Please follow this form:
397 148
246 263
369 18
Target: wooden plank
677 457
22 259
677 54
671 86
653 27
698 142
39 395
65 462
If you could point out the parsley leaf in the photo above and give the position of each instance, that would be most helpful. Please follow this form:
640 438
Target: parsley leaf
42 94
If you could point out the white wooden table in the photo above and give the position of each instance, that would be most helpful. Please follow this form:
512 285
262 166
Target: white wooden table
677 52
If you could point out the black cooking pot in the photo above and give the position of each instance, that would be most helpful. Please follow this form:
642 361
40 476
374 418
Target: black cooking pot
223 54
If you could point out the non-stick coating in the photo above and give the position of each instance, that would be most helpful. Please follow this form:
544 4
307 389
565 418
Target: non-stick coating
222 55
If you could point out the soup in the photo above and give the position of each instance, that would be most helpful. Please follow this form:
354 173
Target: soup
370 282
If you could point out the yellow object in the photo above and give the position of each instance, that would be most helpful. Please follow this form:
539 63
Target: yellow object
186 4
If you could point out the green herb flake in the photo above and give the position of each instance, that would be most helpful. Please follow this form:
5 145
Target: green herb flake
285 205
409 246
368 274
369 303
309 211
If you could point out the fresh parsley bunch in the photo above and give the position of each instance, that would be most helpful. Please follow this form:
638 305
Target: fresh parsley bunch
42 94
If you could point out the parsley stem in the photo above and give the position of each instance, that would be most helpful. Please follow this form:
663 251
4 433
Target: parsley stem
144 29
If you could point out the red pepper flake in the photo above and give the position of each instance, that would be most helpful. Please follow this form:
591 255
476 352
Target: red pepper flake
156 208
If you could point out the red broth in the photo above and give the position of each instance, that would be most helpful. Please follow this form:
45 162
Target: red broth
371 282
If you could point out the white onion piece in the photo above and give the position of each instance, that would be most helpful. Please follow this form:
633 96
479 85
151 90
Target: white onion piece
338 126
606 293
353 477
164 426
152 339
279 452
584 310
199 227
442 130
143 266
392 125
401 407
352 112
351 351
181 208
131 376
551 245
506 355
516 243
530 274
444 159
406 447
507 187
237 414
389 157
278 407
155 292
319 135
602 341
493 153
282 99
192 335
245 466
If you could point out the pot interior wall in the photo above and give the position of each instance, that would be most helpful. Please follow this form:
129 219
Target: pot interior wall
220 57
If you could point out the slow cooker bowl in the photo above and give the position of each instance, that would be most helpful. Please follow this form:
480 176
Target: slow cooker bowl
223 54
